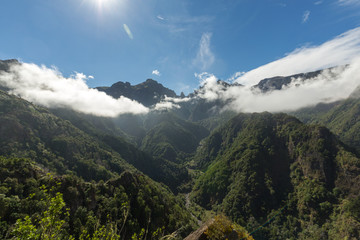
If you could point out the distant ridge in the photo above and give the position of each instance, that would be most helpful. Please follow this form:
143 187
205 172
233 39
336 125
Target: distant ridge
278 82
148 93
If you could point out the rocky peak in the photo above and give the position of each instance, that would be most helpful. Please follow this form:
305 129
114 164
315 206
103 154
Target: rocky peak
148 93
5 64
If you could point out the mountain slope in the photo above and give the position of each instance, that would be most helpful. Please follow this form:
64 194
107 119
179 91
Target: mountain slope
258 164
342 118
164 149
31 131
127 204
57 147
171 137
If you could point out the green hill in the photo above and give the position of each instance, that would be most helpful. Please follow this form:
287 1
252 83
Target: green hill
342 118
258 164
128 204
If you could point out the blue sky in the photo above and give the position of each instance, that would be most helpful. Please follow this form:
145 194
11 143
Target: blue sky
167 40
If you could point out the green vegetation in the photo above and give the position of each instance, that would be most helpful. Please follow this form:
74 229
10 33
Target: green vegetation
67 175
342 118
257 164
39 204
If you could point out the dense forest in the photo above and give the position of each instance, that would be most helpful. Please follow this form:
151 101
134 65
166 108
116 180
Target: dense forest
187 173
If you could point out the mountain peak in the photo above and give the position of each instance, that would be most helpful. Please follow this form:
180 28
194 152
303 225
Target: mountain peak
148 93
149 80
5 64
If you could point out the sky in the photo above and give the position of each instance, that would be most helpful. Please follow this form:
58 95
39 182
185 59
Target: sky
175 41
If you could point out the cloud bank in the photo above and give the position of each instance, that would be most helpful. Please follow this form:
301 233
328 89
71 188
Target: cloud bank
47 87
331 85
339 51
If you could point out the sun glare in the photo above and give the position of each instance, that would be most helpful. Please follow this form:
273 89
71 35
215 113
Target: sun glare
102 5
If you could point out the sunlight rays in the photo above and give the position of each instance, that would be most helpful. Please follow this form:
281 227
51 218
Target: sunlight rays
105 6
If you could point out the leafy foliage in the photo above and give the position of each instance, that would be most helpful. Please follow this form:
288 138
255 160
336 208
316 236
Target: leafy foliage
258 163
342 118
125 204
223 228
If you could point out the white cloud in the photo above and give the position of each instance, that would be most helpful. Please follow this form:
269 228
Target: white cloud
156 72
338 51
128 32
332 85
165 106
204 58
90 77
169 103
47 87
235 76
306 16
160 18
318 2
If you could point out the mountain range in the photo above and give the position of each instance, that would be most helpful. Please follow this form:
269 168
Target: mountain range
194 168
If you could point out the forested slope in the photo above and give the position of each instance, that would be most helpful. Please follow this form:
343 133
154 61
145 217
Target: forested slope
258 164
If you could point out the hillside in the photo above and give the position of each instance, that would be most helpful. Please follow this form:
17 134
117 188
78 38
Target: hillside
342 118
145 176
93 169
259 164
124 206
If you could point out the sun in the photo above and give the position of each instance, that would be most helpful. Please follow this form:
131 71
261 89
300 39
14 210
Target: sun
103 5
102 2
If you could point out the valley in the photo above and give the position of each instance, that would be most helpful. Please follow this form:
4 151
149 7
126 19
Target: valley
167 173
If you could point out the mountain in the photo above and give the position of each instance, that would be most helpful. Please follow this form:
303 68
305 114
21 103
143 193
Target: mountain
148 93
342 118
161 152
31 131
5 66
259 176
172 137
259 166
279 82
93 171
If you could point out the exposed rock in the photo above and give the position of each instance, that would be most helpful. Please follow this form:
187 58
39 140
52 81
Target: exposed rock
148 93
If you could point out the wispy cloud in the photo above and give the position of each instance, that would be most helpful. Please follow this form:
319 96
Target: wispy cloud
179 24
128 32
160 17
235 76
204 58
349 2
341 50
170 103
156 72
306 16
183 87
318 2
165 105
47 87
